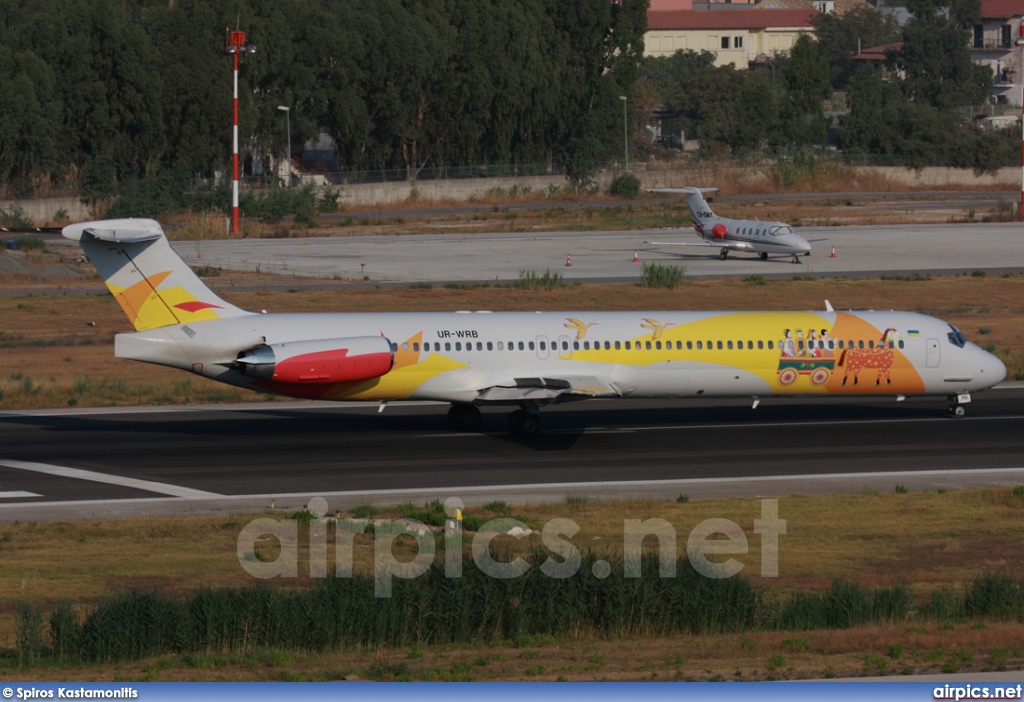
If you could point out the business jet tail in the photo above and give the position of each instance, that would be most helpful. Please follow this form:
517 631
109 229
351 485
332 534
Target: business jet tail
694 198
154 287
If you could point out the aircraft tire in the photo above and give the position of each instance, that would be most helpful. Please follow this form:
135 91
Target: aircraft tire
523 423
763 255
957 411
463 416
723 255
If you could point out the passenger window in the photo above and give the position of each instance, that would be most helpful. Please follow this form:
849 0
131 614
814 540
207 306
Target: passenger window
532 346
617 346
657 345
647 345
719 345
490 345
860 344
575 346
405 346
416 346
689 345
394 347
447 346
871 344
543 346
458 346
565 345
607 346
750 345
501 345
900 343
628 346
800 345
700 346
760 344
771 344
728 344
586 345
521 346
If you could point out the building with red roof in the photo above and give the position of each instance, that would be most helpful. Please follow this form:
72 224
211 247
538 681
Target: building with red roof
739 37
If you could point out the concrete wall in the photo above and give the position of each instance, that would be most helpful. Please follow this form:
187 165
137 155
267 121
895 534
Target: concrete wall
653 175
45 210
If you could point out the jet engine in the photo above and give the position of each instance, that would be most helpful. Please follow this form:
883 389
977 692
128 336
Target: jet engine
718 231
320 361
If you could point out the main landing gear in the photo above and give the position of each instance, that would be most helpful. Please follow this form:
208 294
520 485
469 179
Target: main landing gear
956 410
796 258
464 417
724 253
524 422
763 255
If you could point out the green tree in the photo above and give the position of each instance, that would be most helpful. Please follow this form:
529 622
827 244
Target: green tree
805 87
840 37
935 57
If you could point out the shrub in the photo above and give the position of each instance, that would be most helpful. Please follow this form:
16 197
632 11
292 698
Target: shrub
548 281
626 185
15 217
655 275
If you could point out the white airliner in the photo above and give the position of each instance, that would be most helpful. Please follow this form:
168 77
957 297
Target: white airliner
520 359
763 238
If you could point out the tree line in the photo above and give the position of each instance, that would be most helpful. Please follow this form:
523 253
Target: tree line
99 93
911 108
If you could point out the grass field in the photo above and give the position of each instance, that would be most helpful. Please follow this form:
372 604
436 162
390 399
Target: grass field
931 540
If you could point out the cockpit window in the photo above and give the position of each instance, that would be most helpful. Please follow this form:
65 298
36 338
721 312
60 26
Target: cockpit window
779 230
956 338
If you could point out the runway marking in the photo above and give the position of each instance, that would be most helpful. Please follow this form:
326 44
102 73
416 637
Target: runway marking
14 494
987 473
79 474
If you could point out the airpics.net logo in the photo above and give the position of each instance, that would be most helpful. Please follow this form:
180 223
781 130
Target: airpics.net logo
721 539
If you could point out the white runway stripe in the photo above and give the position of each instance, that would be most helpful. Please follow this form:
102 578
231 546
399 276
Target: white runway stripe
15 494
79 474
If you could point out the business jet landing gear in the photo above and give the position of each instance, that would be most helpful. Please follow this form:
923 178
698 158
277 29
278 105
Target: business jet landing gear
464 417
524 422
724 253
763 255
956 410
796 258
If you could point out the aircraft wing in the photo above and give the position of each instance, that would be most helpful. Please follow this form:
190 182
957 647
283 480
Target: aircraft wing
547 390
731 245
682 191
811 241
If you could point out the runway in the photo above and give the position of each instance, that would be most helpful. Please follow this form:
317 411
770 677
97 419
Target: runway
127 462
608 256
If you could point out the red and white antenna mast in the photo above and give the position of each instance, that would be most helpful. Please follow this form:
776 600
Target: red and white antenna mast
237 47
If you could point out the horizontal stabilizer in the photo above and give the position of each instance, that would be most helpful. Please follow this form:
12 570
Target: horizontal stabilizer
126 231
682 191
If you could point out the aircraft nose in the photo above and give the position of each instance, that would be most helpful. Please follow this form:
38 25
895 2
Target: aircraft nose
993 370
803 246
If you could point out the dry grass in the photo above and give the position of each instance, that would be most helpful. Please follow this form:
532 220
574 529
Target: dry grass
49 338
927 539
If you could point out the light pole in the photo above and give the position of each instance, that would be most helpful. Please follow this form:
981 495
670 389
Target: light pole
625 133
288 121
237 47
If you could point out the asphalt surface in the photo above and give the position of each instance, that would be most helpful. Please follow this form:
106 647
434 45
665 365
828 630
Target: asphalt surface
159 461
608 256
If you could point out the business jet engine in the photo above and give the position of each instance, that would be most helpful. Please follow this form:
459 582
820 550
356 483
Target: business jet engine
718 231
320 361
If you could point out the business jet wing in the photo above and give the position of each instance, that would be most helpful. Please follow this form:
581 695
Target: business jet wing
731 245
547 390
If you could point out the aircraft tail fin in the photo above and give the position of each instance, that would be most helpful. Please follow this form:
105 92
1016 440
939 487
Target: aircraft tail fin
154 287
699 208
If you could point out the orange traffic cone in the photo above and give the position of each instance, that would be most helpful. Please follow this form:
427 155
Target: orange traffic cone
568 260
833 251
636 259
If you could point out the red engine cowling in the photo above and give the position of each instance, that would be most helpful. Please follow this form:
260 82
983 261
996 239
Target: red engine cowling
321 361
718 231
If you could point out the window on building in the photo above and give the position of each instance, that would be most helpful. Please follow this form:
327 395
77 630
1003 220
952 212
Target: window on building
737 42
725 42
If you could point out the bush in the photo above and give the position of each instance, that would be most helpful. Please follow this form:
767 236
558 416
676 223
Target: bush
548 281
626 185
655 275
15 217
